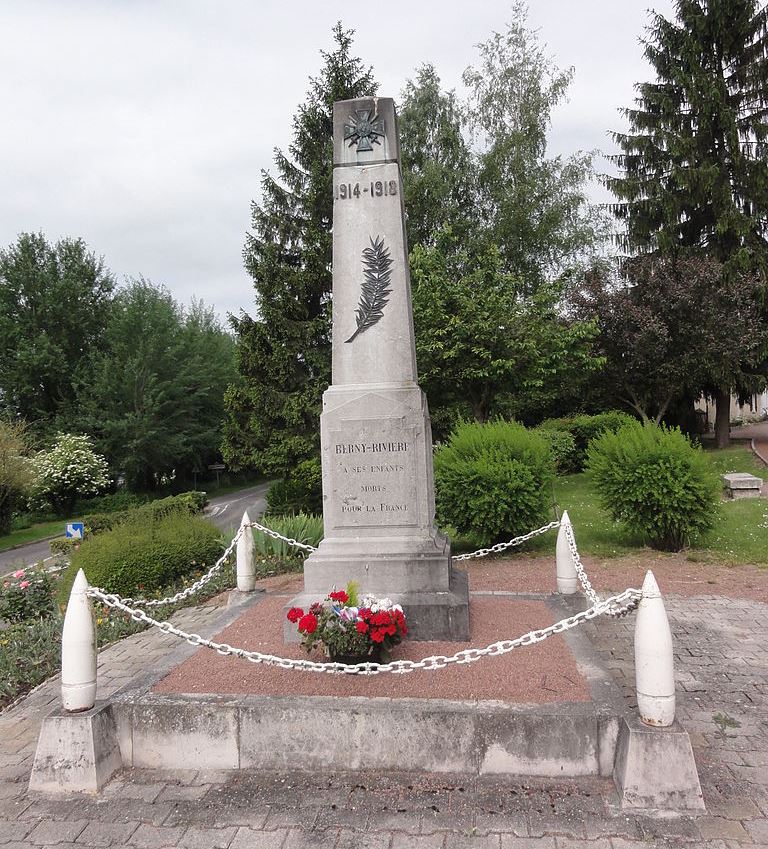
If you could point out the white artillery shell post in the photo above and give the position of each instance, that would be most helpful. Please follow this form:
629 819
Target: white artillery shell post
567 579
246 568
78 650
654 664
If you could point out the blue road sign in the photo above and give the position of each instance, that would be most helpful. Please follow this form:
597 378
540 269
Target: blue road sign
75 530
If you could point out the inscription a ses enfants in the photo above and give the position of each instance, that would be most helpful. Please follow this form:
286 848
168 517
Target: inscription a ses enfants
350 504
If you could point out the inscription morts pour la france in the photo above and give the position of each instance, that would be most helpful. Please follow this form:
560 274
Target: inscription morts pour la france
376 441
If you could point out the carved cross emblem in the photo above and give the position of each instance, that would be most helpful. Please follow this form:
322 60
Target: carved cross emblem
362 128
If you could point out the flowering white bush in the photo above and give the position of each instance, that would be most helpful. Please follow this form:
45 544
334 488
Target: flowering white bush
70 470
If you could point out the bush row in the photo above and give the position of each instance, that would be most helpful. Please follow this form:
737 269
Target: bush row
188 503
138 556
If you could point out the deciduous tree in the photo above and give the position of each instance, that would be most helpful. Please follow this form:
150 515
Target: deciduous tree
54 306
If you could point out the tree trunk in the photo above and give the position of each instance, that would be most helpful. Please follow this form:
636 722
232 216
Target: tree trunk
723 418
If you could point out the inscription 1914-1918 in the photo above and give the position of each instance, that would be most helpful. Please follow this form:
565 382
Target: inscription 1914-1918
374 189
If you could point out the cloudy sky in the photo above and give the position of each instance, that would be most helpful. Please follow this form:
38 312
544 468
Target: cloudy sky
142 125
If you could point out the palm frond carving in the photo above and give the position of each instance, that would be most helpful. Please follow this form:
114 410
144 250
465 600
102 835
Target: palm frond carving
374 295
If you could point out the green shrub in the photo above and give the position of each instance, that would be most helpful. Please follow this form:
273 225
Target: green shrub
656 482
585 428
110 503
493 480
301 527
142 555
187 502
300 492
562 447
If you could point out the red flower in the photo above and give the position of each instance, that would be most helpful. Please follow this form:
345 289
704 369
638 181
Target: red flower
294 614
377 636
362 627
339 595
308 623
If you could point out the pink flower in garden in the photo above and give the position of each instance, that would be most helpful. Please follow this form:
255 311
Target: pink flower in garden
19 573
24 585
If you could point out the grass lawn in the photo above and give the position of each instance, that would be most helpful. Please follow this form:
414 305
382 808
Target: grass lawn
739 536
33 533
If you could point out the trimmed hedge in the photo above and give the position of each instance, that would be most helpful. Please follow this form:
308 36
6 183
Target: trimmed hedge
187 502
656 482
584 429
144 555
493 481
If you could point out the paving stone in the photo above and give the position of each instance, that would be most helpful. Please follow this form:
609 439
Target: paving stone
510 842
719 827
349 839
758 829
247 838
177 792
512 823
417 841
207 838
406 822
153 836
14 830
50 833
472 841
570 843
315 839
107 833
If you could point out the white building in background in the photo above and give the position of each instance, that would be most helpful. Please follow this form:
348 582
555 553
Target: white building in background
754 410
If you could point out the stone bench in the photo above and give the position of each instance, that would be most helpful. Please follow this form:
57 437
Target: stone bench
742 485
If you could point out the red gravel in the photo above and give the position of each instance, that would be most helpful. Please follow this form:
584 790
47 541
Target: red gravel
675 574
539 674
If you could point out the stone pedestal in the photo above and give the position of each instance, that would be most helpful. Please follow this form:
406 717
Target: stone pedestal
376 439
655 768
76 752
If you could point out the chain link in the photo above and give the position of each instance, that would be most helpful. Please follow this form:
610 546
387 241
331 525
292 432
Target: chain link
202 581
503 546
275 535
617 604
577 564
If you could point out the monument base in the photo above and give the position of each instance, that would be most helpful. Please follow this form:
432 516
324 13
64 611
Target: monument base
430 615
655 768
76 752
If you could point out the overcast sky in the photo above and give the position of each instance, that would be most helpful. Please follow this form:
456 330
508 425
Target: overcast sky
142 127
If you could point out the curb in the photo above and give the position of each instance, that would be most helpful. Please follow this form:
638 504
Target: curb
757 451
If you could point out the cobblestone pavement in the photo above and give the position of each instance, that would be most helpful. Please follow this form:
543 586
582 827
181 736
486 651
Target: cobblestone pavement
722 670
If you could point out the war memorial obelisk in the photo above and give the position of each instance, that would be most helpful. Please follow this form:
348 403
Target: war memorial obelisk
376 438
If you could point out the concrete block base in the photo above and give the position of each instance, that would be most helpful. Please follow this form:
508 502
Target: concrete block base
655 769
76 752
425 735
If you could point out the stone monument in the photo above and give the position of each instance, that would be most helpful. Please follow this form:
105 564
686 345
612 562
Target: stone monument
378 485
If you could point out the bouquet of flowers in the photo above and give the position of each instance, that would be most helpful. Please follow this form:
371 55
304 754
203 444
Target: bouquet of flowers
350 629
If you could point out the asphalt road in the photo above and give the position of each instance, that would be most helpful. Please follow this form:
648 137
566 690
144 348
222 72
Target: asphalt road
225 511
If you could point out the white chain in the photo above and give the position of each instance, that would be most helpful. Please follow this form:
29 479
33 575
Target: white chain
503 546
275 535
202 581
577 564
616 605
192 588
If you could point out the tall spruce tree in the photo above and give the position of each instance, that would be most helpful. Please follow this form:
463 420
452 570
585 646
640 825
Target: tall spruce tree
695 162
284 352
